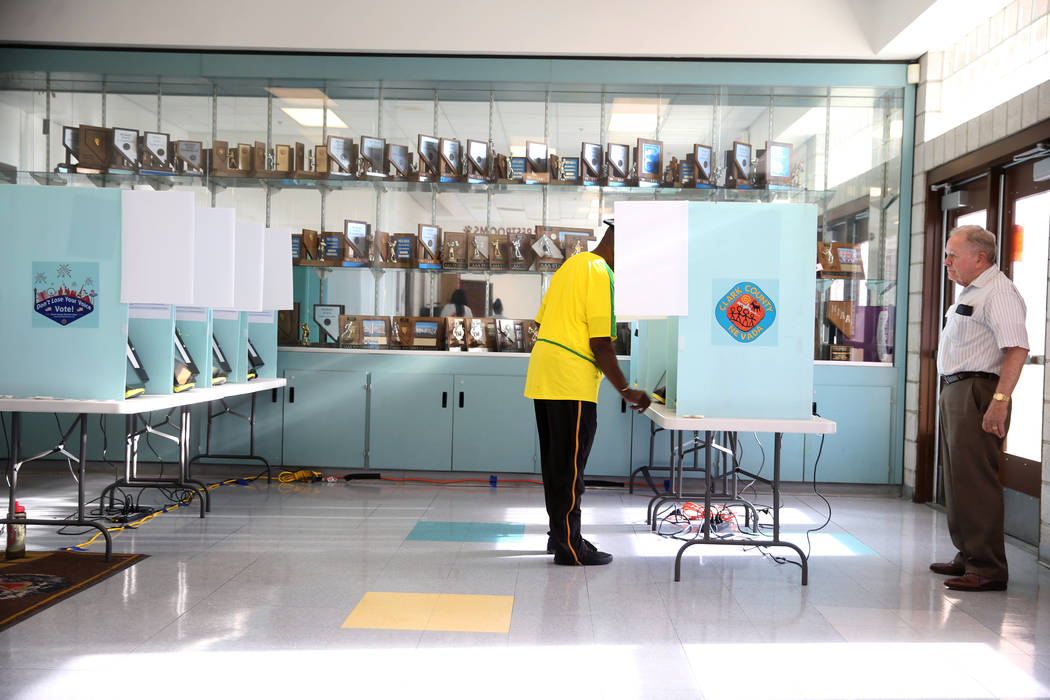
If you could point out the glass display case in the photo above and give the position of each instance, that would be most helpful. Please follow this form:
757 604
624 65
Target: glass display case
838 147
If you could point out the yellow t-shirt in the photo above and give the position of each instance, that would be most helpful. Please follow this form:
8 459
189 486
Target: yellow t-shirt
578 306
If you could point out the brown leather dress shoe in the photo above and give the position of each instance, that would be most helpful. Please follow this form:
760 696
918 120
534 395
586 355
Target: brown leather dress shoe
948 569
975 582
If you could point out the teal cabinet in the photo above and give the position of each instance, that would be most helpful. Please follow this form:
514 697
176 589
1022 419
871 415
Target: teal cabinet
494 425
611 452
324 419
410 421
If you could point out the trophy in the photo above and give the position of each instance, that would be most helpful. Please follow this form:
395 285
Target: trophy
71 143
349 331
373 157
478 163
478 244
94 145
341 157
673 173
402 250
429 253
219 159
454 250
189 157
398 161
449 165
773 166
429 158
311 250
284 160
156 154
499 248
617 165
519 251
537 165
427 332
650 161
738 166
381 251
504 172
549 255
305 329
301 166
590 164
702 161
326 316
456 333
375 331
356 234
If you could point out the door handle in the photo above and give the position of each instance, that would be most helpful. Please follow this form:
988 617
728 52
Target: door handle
291 394
444 399
461 399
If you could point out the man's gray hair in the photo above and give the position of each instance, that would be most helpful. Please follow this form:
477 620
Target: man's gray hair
980 238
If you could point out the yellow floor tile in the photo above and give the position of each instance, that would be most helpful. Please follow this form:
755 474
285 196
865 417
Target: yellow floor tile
432 611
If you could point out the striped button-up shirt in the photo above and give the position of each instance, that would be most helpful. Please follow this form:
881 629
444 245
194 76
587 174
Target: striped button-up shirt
987 318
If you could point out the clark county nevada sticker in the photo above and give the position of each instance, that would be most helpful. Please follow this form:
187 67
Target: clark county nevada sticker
65 292
745 312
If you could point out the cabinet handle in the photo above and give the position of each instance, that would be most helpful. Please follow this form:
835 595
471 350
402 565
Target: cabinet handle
461 399
444 399
291 394
273 396
623 406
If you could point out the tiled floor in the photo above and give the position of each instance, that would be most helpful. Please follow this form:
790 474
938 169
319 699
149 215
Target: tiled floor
258 600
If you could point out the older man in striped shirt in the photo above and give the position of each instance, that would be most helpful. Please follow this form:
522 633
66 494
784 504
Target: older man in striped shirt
983 348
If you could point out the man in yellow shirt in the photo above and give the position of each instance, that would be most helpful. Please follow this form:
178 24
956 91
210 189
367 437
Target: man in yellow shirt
573 349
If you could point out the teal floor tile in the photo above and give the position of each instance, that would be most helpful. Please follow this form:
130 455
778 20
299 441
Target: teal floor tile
437 531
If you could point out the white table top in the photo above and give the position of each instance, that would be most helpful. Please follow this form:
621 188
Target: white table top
667 418
144 403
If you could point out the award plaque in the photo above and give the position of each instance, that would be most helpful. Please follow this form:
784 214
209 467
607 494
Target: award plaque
479 335
549 255
382 249
499 248
650 160
773 165
350 331
503 168
375 331
519 251
573 243
454 250
617 165
288 325
687 171
219 159
320 162
449 165
478 163
326 316
284 163
569 170
297 248
530 331
537 165
427 332
507 338
189 157
402 250
429 253
93 156
334 247
311 251
839 261
398 161
456 333
263 161
356 235
478 244
156 153
373 157
591 164
517 169
71 144
738 166
429 158
840 314
401 332
301 167
342 157
702 161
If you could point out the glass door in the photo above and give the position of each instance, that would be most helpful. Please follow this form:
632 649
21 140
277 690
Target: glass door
1025 240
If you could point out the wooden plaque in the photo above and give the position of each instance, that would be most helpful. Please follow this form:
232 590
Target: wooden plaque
189 157
773 165
519 251
739 166
499 249
650 160
429 149
402 250
839 261
93 156
451 158
703 161
342 157
428 332
454 250
480 251
617 165
456 333
356 234
373 157
478 161
156 152
591 164
428 256
537 163
350 331
398 161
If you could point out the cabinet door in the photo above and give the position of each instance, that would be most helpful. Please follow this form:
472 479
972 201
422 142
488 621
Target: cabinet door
494 425
324 419
611 452
410 421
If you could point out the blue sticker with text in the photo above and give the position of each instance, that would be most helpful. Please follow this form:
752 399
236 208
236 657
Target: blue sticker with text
745 311
65 293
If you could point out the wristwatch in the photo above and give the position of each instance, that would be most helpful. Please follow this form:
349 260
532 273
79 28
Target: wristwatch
1000 397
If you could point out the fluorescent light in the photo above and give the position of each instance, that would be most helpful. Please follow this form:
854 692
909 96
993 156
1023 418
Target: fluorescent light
312 116
896 129
632 122
874 192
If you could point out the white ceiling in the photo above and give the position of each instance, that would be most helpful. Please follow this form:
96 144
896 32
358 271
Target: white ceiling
819 29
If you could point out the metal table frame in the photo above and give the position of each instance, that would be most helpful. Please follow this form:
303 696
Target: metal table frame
667 419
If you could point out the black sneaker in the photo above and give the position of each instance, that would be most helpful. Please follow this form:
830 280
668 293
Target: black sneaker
586 558
587 546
